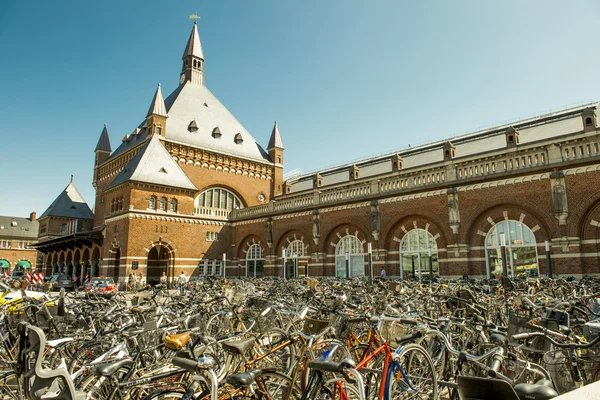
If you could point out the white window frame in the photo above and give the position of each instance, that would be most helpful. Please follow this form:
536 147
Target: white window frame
422 251
352 247
511 244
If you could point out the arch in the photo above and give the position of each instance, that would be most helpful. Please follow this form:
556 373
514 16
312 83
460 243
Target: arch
77 263
255 261
349 257
23 265
159 261
61 262
217 201
518 242
68 268
116 253
4 265
95 262
418 253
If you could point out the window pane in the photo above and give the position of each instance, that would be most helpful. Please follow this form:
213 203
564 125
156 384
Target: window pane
209 197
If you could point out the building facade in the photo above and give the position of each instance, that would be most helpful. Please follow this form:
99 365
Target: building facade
17 235
190 190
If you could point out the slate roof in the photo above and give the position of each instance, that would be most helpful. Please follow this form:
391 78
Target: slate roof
104 141
153 164
275 140
18 227
69 204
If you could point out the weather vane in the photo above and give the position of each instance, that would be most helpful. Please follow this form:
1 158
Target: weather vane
194 16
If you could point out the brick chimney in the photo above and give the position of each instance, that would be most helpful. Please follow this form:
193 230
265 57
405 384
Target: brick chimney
32 216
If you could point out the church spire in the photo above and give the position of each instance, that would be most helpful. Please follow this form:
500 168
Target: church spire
156 120
104 141
193 60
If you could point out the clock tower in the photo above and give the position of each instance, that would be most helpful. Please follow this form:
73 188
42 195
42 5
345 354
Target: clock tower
193 60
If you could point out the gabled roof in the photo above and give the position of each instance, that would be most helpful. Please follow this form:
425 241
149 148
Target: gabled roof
104 141
153 164
69 204
275 140
18 227
157 107
194 48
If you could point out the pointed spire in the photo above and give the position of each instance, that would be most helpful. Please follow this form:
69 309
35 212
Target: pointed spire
194 48
158 104
104 141
275 141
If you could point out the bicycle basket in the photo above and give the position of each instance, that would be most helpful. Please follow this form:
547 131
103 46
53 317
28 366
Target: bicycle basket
151 336
519 324
558 365
341 326
314 326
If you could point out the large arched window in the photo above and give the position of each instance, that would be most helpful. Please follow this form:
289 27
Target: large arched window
521 251
418 250
296 260
349 248
162 204
217 202
255 262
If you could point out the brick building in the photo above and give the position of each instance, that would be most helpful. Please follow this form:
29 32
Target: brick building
190 189
17 235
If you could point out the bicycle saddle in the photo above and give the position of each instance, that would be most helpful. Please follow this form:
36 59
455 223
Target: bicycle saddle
541 390
109 368
500 340
177 342
245 379
238 346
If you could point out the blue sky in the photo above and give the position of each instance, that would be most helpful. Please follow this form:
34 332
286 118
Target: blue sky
345 79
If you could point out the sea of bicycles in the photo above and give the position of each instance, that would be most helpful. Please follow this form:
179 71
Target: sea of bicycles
305 339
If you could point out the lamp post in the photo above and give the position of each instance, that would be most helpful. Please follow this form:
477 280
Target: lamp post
401 268
548 258
370 258
347 266
503 251
430 267
224 264
283 256
239 271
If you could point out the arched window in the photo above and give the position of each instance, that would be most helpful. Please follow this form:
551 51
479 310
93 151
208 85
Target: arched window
112 206
255 262
152 203
349 248
296 261
217 202
163 204
418 250
173 205
520 246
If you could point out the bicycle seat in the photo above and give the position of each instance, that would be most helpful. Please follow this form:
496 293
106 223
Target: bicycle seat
247 378
500 340
238 346
109 368
177 342
541 390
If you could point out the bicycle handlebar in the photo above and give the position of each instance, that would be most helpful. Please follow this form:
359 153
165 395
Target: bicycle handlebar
528 335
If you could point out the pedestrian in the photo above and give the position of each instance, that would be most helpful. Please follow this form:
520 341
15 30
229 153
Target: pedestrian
181 281
163 278
383 274
75 282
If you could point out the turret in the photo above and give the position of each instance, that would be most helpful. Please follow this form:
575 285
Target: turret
156 120
102 151
193 60
275 149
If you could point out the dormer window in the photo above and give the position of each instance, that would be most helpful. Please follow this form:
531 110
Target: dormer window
238 138
588 121
158 130
193 127
511 138
216 133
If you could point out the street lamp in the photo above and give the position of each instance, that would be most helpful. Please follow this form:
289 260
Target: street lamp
503 251
347 265
430 266
370 258
283 256
549 258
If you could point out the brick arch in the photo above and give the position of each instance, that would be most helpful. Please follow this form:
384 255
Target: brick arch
589 231
249 240
481 225
406 224
334 235
295 234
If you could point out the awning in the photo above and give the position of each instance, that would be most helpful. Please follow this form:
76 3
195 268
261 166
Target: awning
4 264
23 264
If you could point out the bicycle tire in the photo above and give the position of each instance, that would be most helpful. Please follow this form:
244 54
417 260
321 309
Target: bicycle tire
275 385
350 391
418 366
282 359
167 394
10 387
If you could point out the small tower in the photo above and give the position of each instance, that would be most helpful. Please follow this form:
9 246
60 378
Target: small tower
275 149
156 120
193 60
102 151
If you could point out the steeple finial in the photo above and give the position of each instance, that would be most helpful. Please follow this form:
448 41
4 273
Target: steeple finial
72 176
158 104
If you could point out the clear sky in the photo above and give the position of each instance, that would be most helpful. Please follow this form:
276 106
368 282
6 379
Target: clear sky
345 79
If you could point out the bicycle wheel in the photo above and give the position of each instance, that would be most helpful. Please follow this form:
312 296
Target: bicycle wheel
336 389
165 395
10 387
100 387
282 359
275 385
87 353
419 380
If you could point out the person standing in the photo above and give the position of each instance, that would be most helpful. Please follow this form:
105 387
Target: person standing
383 274
181 280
